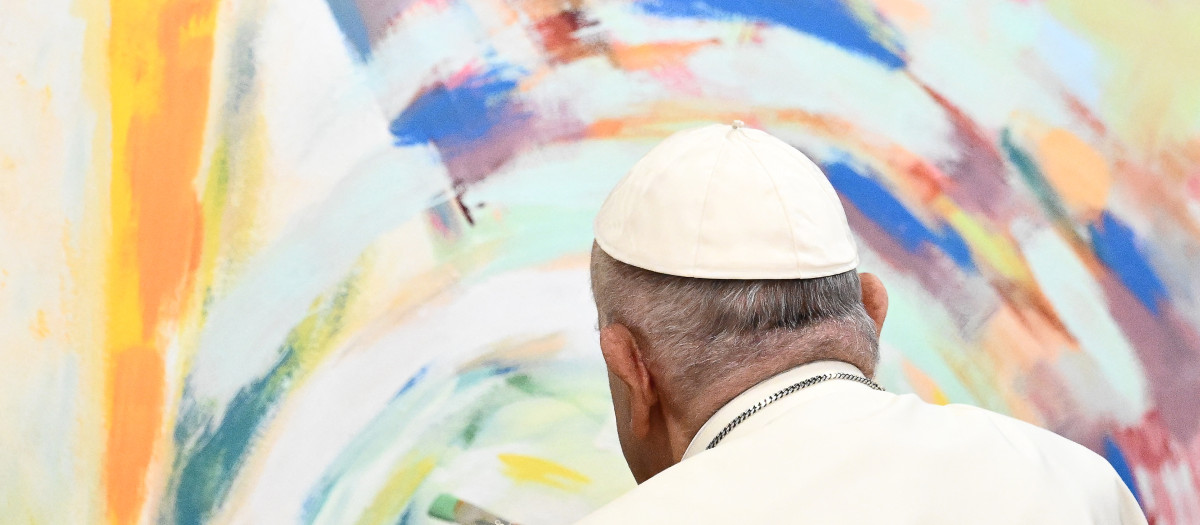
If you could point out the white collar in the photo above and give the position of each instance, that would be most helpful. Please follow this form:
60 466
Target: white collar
759 392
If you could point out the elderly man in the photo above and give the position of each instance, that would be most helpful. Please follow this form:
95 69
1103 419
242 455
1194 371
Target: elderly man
740 344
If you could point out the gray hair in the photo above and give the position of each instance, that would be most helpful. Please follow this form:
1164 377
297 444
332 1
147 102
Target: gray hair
700 331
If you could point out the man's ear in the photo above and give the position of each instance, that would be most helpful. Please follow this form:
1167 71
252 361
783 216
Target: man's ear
624 359
874 298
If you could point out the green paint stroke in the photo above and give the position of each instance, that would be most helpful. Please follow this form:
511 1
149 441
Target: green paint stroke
207 471
1036 181
418 411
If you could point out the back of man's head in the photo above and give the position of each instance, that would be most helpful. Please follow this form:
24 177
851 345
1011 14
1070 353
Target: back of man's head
723 258
703 333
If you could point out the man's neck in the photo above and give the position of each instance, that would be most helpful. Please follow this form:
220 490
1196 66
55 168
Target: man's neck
705 407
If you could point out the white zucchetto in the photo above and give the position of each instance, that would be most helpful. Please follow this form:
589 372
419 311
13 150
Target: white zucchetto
727 202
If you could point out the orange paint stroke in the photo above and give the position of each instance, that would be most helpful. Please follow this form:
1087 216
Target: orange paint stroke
656 55
160 55
908 12
1079 173
137 398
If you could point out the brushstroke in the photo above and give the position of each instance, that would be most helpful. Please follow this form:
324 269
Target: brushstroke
159 55
560 38
830 20
393 499
537 470
1025 182
350 21
210 465
1115 244
1035 180
885 210
1116 458
1078 172
459 114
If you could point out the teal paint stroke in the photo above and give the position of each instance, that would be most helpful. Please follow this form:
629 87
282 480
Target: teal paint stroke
208 464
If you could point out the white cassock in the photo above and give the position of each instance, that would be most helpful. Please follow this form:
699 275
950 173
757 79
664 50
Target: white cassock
841 452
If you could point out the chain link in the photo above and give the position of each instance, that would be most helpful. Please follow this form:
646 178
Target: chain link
783 393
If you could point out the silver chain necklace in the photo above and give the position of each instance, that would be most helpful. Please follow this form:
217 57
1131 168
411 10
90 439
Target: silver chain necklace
784 393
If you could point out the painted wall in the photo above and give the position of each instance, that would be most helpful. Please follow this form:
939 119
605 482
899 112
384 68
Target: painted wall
267 261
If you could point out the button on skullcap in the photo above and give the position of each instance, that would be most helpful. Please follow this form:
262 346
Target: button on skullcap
727 202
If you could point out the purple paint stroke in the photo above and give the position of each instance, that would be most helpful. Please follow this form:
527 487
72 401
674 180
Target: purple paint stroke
1169 349
1062 412
978 173
459 117
378 16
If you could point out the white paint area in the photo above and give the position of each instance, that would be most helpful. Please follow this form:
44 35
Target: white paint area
339 184
791 70
977 55
53 166
576 176
1082 307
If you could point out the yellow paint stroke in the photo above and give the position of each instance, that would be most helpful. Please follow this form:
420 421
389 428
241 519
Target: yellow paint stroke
318 335
988 245
396 494
160 57
39 326
523 468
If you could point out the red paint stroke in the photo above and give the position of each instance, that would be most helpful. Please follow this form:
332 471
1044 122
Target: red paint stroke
560 41
1157 458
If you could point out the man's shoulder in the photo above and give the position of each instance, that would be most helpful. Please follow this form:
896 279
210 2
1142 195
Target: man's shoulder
1025 437
901 451
973 432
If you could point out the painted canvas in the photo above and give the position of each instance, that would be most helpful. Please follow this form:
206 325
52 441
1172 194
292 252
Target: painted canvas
308 261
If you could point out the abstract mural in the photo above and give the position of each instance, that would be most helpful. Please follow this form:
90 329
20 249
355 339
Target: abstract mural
310 261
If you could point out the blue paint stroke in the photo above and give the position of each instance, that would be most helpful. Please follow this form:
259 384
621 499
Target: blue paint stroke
412 381
1114 243
350 21
407 518
874 201
454 118
1116 458
828 20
